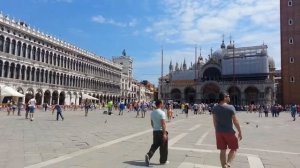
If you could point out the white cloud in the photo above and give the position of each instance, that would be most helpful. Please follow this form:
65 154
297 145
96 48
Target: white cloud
203 22
102 20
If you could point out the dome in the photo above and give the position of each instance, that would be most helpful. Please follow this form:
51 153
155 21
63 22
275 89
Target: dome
271 62
230 46
217 55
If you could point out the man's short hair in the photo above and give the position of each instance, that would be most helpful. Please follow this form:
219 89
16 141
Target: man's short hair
222 95
158 102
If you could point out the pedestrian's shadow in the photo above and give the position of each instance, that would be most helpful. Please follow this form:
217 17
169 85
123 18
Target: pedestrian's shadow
139 163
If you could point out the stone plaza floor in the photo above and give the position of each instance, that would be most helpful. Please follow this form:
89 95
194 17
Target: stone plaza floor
102 141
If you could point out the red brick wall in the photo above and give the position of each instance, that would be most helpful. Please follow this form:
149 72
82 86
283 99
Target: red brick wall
291 90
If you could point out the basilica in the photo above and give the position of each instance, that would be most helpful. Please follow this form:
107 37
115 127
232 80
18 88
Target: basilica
245 73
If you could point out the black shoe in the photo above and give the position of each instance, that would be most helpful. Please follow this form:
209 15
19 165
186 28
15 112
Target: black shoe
147 160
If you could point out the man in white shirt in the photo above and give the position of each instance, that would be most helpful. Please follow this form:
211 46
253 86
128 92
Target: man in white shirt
160 135
31 105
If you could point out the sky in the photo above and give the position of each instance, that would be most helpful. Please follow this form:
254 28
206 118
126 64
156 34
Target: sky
146 27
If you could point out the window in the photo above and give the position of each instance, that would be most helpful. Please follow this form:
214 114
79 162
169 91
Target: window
290 3
291 22
291 40
292 79
292 60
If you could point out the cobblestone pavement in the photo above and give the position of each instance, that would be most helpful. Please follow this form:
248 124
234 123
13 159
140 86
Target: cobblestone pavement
102 141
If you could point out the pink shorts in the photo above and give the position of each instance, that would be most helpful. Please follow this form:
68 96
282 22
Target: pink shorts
226 140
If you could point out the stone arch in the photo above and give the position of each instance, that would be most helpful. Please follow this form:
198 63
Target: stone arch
38 96
189 94
20 90
252 95
176 95
29 94
54 97
12 70
18 70
7 45
1 67
235 95
210 92
19 48
1 43
24 48
6 69
211 73
47 97
13 47
62 97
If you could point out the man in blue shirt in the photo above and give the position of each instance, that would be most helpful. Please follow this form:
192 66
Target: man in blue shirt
58 111
160 135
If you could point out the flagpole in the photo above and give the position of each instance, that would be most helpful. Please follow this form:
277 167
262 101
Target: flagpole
162 71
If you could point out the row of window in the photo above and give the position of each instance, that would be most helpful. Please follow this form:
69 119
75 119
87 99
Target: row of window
31 52
44 76
45 44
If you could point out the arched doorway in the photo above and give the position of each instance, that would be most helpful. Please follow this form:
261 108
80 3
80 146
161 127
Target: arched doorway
251 94
211 73
54 97
29 94
210 93
62 97
235 95
47 96
189 95
176 95
38 97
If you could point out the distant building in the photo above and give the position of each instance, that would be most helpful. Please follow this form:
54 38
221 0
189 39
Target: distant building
242 72
290 50
128 86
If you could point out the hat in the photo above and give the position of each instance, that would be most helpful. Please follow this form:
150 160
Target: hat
222 95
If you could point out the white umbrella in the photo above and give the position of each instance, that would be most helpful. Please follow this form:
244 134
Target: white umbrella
9 91
86 96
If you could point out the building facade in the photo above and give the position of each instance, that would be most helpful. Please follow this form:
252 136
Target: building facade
53 71
290 50
128 84
242 72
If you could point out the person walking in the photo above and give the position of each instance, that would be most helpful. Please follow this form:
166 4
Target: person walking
121 107
186 110
58 111
87 105
294 111
19 107
31 105
223 117
110 105
160 135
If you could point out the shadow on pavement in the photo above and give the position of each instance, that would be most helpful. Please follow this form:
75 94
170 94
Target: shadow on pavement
139 163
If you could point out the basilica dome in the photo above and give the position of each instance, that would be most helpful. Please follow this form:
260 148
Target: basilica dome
271 62
217 55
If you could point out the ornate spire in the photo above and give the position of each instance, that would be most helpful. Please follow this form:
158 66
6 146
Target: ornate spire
184 65
171 66
223 44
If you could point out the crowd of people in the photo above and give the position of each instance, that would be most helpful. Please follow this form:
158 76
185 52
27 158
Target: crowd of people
163 112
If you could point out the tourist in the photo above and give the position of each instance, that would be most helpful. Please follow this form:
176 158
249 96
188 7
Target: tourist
160 135
32 106
58 111
223 117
